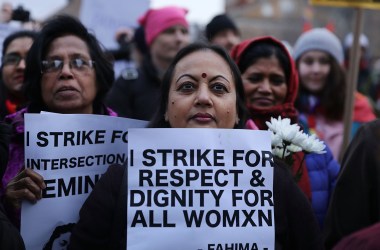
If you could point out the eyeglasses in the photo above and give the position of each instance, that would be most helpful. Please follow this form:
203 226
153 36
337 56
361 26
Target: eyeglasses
12 59
78 65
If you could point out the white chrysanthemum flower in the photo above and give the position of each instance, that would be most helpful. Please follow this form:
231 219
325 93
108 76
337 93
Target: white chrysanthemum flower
279 152
299 138
275 140
276 125
293 148
272 125
287 138
289 132
313 145
284 122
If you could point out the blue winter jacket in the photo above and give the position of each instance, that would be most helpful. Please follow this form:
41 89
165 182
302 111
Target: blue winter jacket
323 170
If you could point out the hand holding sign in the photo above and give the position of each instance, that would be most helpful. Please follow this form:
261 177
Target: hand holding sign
27 185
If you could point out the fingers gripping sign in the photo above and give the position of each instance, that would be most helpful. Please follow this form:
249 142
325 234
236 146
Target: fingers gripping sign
27 185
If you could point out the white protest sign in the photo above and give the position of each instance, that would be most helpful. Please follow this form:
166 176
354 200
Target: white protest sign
193 189
104 18
71 152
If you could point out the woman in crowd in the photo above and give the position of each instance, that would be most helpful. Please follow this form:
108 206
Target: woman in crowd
319 58
136 95
203 80
222 31
270 83
355 203
15 49
67 72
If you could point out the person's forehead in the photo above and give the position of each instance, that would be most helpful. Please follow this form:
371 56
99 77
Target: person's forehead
20 43
205 57
203 62
175 26
315 53
227 31
68 42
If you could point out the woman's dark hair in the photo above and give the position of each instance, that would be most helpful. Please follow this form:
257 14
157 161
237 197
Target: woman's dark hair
158 120
67 228
333 94
139 40
265 49
16 35
57 27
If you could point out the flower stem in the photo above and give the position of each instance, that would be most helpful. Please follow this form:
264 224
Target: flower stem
300 169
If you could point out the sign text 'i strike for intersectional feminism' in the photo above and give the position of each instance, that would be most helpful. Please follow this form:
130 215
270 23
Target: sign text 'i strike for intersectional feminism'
81 184
71 152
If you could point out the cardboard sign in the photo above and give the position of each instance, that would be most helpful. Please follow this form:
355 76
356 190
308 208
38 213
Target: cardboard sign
71 152
197 189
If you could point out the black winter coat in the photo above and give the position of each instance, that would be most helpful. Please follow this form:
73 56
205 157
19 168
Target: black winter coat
136 97
355 202
103 218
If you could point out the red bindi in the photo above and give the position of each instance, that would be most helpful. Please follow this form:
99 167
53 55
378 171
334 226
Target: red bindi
204 75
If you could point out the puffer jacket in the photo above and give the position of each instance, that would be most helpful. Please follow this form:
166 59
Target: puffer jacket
323 170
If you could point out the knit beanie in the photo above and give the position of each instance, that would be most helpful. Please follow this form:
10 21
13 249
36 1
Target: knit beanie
219 23
156 21
319 39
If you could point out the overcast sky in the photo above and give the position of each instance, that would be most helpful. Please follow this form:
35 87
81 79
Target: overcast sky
41 9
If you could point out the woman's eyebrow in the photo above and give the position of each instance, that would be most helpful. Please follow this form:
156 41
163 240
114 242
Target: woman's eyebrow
13 53
219 76
73 55
192 77
184 75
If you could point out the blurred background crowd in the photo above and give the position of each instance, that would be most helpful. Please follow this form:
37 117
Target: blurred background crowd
293 59
285 20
